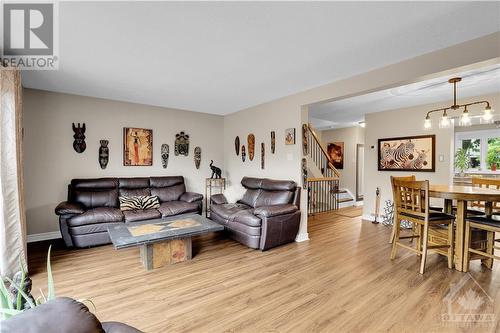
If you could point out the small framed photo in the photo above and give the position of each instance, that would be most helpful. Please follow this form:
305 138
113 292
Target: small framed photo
290 136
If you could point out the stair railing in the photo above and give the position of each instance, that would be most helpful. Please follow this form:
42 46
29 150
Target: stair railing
322 194
319 155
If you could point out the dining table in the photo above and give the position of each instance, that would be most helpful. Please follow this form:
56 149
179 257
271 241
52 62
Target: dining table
462 195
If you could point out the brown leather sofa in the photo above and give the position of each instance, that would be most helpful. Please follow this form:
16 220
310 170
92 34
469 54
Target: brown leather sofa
268 215
62 315
93 205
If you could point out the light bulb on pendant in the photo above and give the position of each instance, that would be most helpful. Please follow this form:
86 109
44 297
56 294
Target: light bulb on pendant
427 122
465 118
487 115
445 121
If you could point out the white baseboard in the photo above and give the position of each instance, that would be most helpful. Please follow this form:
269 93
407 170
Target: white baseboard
358 203
44 236
370 218
302 237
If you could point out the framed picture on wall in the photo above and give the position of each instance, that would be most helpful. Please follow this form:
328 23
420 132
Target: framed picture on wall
137 146
290 136
411 153
336 152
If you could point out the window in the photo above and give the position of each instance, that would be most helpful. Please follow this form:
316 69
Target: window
483 147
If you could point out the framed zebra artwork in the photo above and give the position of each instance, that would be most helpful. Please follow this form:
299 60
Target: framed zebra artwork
411 153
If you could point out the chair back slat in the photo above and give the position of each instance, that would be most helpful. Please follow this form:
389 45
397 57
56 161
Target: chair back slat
492 183
411 197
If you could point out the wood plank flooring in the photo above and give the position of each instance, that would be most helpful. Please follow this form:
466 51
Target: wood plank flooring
340 281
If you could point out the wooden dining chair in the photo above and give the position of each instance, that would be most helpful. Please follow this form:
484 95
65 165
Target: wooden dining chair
411 203
488 223
493 183
397 221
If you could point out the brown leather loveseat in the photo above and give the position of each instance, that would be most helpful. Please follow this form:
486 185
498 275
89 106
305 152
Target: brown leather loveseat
268 215
93 205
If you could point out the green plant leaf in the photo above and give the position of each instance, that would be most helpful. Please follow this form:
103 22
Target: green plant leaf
5 299
19 296
30 302
9 312
51 292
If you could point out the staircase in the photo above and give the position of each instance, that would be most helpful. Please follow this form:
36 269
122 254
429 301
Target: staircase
324 194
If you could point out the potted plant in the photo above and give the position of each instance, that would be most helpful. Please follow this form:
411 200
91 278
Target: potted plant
462 160
18 298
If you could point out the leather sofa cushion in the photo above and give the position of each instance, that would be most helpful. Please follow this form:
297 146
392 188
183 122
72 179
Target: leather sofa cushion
92 228
134 192
134 187
250 197
268 198
268 184
251 183
166 181
245 229
172 193
96 215
136 182
246 217
139 215
191 197
61 315
177 207
94 183
278 185
275 210
99 198
228 210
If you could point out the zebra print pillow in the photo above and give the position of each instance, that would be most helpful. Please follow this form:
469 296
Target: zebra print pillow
130 203
150 202
139 202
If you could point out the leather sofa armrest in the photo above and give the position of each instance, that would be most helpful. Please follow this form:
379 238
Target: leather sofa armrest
191 197
68 207
218 199
275 210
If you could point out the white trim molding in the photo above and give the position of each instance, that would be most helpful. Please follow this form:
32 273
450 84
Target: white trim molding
302 237
44 236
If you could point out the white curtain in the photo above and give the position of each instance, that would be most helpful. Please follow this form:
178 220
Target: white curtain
12 218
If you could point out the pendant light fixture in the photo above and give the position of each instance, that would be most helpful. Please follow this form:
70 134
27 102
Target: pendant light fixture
465 117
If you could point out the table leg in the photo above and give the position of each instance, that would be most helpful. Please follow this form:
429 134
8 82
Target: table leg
448 206
488 262
159 254
459 236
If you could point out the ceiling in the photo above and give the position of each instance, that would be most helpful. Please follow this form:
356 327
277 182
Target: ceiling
221 57
350 111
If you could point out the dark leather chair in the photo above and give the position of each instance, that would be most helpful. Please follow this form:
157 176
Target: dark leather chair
268 215
93 206
62 315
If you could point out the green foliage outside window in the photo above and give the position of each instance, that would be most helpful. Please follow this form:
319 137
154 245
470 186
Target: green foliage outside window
493 155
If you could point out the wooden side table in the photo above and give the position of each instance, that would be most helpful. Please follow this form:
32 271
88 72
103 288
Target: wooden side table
213 186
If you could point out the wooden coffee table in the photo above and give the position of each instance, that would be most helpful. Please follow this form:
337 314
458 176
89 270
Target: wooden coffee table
162 241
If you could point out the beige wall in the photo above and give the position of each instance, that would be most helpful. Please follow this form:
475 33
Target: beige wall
51 162
351 136
408 122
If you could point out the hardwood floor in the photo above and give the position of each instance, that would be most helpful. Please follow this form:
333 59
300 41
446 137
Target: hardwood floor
340 281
